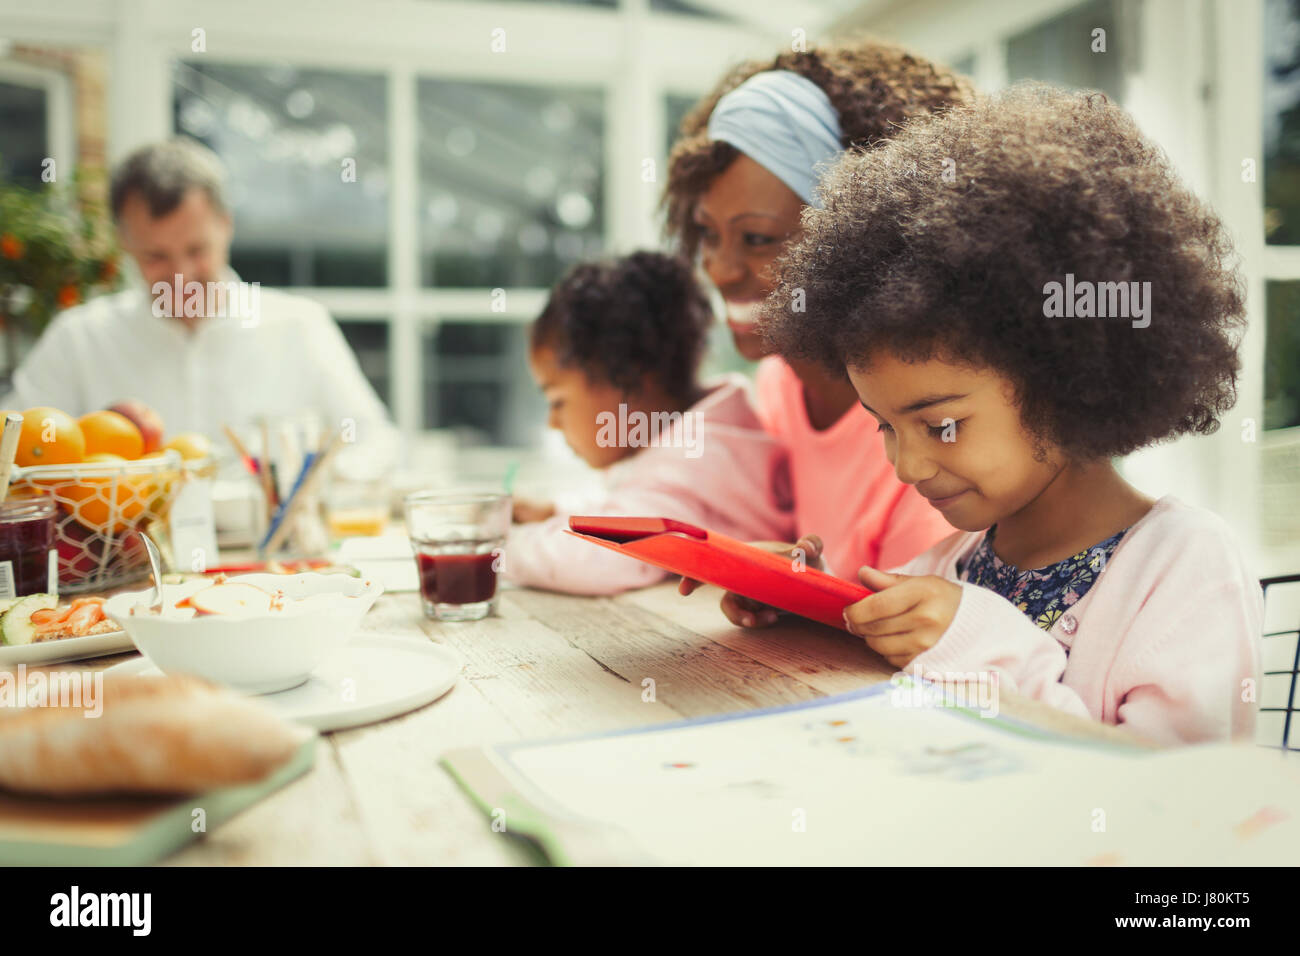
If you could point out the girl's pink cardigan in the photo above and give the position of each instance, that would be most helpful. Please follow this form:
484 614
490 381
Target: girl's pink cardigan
1165 643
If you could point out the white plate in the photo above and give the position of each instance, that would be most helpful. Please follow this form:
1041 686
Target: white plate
371 678
67 649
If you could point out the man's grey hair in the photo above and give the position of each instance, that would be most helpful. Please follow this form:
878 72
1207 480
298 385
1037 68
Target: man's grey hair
162 173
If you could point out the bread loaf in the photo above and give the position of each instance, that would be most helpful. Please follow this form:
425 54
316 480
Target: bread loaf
174 734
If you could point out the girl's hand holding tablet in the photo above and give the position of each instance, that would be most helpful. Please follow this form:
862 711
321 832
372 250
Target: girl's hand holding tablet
745 612
906 616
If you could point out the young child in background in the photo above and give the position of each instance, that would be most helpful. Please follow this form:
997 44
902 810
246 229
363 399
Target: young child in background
1021 292
616 353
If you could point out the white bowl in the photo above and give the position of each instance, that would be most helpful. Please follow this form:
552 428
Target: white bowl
257 653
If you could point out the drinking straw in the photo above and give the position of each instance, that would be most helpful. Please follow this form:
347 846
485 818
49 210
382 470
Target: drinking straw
13 429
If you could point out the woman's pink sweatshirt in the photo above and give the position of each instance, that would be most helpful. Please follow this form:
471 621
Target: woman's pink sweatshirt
725 483
1165 643
844 488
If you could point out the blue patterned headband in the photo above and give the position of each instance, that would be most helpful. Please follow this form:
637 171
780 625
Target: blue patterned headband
785 123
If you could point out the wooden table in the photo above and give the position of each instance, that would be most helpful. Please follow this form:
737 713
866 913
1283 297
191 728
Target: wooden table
548 665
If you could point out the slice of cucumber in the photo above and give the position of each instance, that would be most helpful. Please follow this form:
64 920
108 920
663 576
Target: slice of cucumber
16 625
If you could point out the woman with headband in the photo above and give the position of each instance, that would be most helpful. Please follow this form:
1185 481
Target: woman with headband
747 162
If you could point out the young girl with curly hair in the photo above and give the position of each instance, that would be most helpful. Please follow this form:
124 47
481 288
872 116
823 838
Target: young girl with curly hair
934 277
739 176
616 353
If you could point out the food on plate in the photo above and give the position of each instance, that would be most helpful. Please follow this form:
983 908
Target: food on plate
173 734
112 433
16 626
49 437
145 419
40 617
226 598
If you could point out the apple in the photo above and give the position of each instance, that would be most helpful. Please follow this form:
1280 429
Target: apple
230 599
145 419
80 551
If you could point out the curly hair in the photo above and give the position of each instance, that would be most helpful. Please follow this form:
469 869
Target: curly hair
942 244
873 86
623 321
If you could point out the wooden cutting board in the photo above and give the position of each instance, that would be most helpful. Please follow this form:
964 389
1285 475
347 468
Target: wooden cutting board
124 831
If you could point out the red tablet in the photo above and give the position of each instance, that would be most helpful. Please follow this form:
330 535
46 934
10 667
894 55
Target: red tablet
719 560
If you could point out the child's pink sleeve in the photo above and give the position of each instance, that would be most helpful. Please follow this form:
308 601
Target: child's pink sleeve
1192 681
541 555
989 635
1179 673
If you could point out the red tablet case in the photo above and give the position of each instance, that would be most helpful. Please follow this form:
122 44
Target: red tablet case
730 564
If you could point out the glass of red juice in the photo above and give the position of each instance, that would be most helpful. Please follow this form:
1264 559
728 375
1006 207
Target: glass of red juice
458 540
26 546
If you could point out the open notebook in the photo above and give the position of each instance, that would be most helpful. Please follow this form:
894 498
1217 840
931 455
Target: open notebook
881 776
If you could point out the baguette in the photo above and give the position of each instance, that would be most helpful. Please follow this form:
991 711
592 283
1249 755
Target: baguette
163 735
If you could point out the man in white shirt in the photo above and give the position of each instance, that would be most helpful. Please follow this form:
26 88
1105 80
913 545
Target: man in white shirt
196 357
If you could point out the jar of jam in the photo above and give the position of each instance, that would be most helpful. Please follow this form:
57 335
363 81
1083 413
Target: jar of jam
28 559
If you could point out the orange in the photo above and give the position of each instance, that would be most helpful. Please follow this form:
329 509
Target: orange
110 433
49 437
93 499
190 445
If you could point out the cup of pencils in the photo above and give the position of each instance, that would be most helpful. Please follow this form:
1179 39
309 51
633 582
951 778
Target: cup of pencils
291 462
458 540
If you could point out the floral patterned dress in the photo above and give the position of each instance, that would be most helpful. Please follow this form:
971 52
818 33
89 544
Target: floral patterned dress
1043 594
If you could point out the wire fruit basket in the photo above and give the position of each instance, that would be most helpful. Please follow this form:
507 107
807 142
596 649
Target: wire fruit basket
102 507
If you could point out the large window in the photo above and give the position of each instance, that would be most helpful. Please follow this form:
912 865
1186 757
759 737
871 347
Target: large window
1282 123
1282 356
511 190
676 107
36 116
1082 48
369 339
1282 210
477 382
307 156
24 132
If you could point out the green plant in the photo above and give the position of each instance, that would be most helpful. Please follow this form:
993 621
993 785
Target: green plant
56 249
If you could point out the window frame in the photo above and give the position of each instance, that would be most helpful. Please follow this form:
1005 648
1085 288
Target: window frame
60 115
